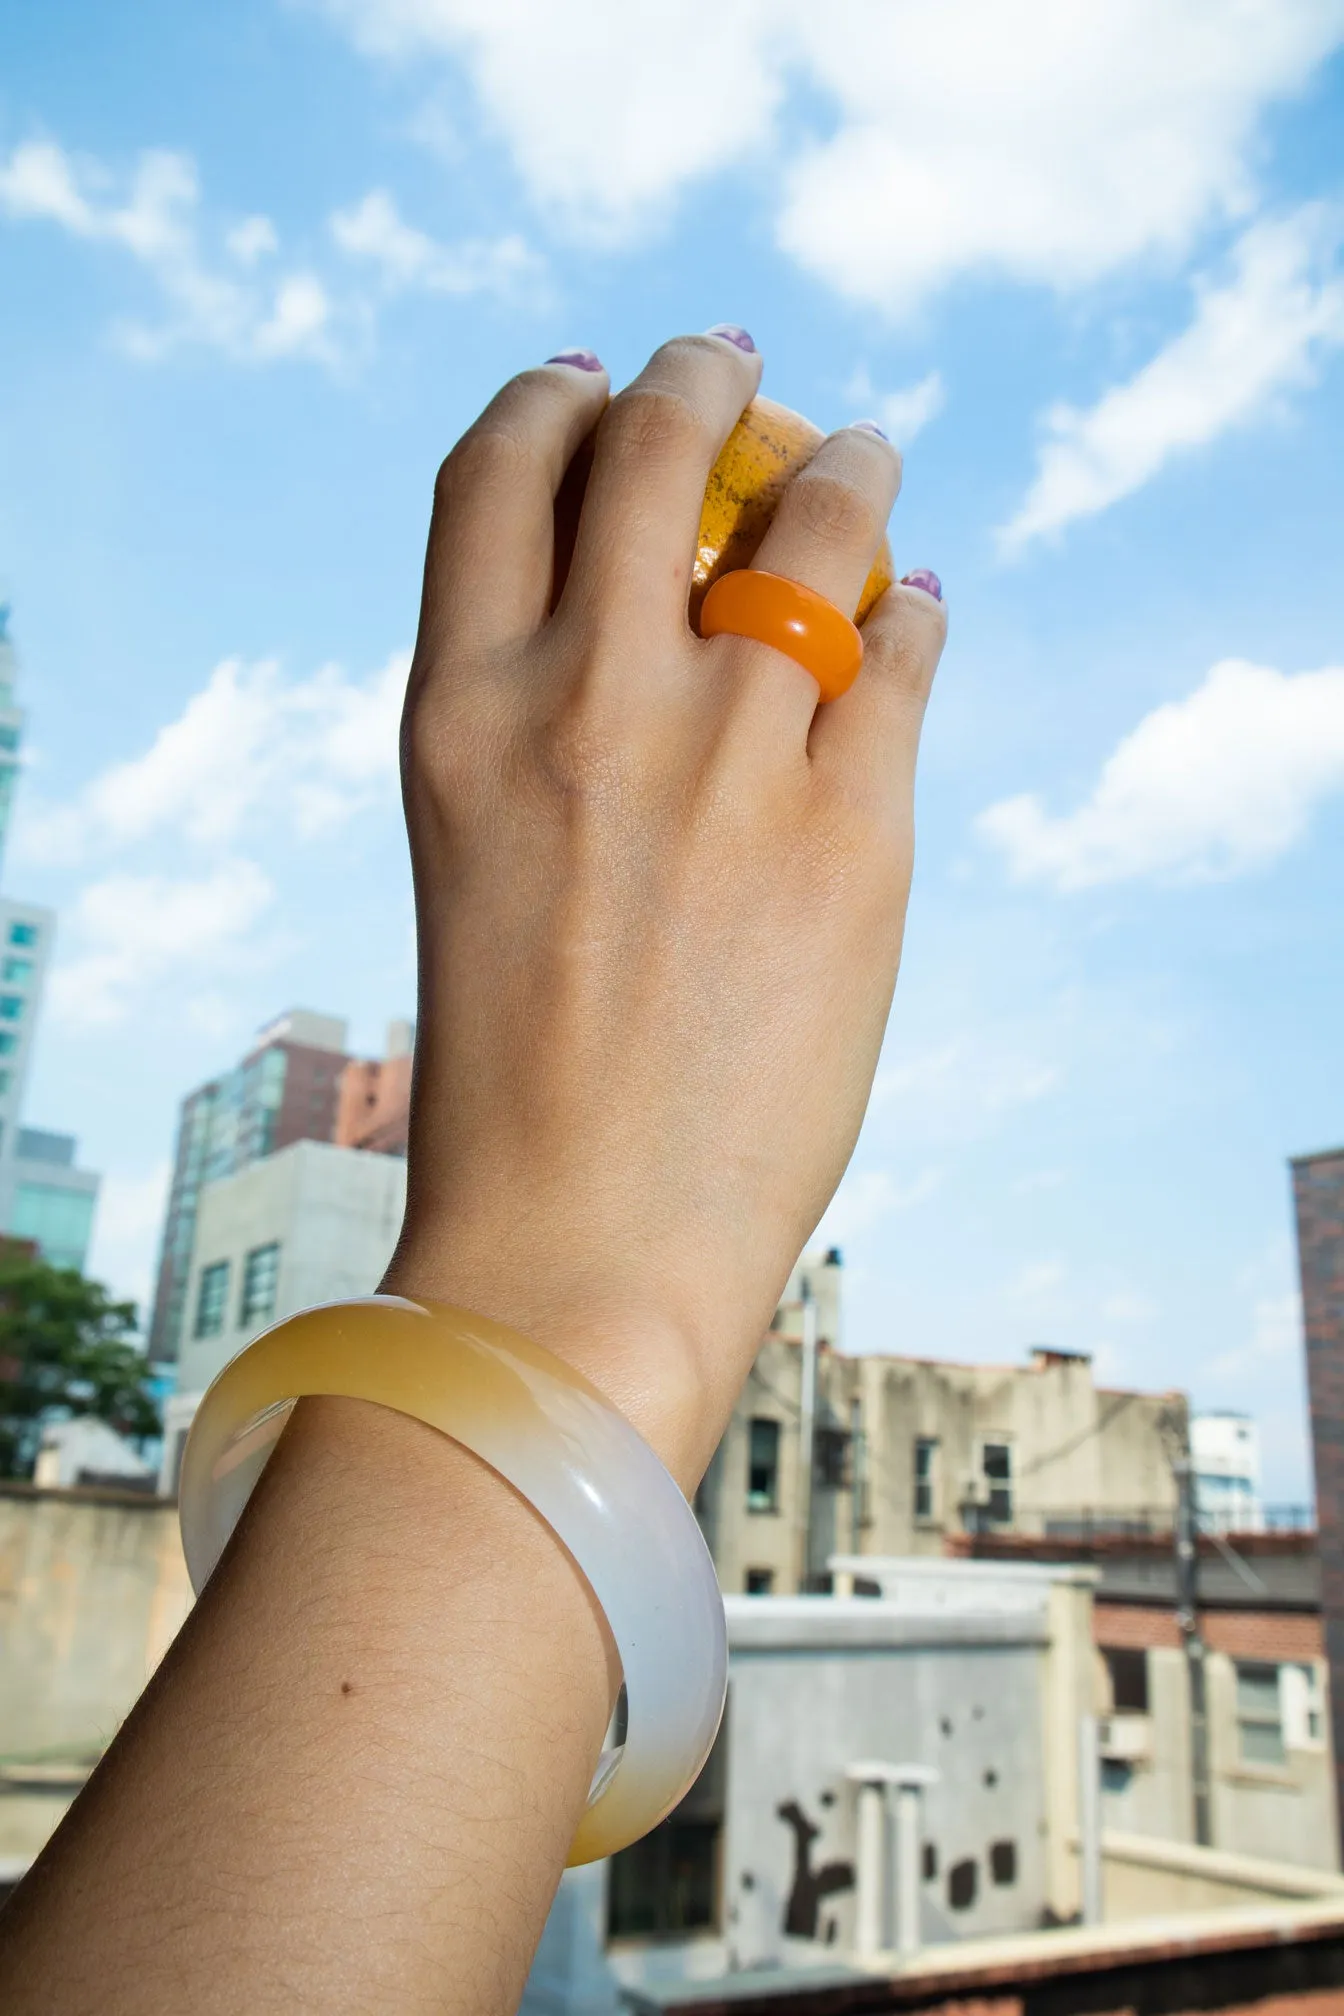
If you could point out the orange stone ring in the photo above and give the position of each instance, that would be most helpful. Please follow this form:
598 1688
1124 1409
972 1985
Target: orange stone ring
796 620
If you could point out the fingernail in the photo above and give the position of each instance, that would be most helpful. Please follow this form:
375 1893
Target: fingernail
582 360
732 334
925 578
870 427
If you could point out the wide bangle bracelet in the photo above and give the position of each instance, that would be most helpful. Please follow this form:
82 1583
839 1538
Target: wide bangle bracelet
564 1448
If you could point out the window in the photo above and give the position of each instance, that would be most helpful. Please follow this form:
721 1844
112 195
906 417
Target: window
831 1451
996 1467
8 1042
1128 1671
23 934
762 1465
4 1083
926 1478
261 1272
1260 1714
58 1217
9 737
17 968
760 1581
11 1007
1303 1707
212 1298
668 1884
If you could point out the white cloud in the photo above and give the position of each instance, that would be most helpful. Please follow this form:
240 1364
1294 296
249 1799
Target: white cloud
373 230
1203 789
904 413
1039 1281
1038 140
865 1198
1273 1344
126 1232
1258 335
156 220
251 744
255 238
132 932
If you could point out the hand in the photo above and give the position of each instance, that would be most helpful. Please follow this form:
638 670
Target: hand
660 890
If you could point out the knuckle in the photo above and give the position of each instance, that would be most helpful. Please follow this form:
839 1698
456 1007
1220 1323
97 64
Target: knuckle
833 511
489 454
656 420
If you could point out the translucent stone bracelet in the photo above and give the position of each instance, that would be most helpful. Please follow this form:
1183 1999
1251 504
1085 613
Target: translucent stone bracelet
564 1448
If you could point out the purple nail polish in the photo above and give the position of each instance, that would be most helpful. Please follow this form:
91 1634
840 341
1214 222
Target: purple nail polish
731 333
925 578
582 360
870 427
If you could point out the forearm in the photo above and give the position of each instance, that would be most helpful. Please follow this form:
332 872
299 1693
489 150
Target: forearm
318 1803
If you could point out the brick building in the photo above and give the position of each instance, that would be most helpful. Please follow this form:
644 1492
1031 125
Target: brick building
1318 1197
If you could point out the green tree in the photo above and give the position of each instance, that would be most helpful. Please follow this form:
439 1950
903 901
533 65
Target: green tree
65 1349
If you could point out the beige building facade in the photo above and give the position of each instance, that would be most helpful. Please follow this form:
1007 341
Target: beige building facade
910 1454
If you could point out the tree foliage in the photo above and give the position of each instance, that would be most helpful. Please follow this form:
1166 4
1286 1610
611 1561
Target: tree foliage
65 1349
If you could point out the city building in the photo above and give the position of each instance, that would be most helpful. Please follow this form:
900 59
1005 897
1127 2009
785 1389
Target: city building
374 1107
908 1453
44 1196
1271 1789
1318 1197
965 1692
286 1089
312 1222
1225 1450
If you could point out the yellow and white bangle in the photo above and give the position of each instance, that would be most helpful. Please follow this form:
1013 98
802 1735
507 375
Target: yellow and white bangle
564 1448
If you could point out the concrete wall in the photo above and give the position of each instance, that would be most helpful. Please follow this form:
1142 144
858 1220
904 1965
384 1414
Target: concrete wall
1154 1879
93 1590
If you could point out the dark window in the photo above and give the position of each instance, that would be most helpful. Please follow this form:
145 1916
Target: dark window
261 1273
1003 1862
23 934
930 1861
212 1298
926 1477
8 1042
11 1006
665 1884
762 1465
997 1468
760 1581
1129 1679
668 1884
961 1885
832 1458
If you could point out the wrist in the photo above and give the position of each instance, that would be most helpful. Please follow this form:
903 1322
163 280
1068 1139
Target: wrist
644 1358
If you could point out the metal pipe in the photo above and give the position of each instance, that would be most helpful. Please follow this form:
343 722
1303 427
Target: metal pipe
807 1432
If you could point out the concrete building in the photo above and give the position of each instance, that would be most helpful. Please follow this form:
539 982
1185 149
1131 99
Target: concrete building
85 1450
1318 1197
310 1223
285 1089
967 1688
909 1452
1271 1765
1225 1449
44 1195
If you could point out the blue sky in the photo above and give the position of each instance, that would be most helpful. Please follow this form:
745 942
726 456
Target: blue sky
262 264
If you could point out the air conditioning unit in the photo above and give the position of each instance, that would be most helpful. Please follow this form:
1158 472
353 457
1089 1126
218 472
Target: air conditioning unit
1125 1739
